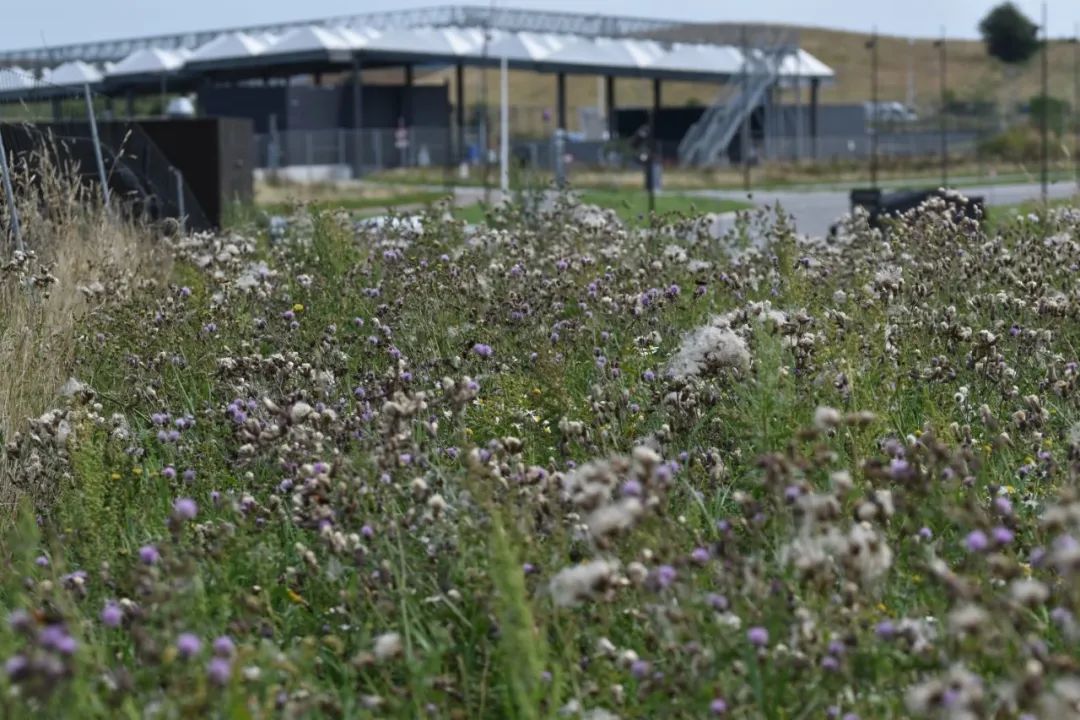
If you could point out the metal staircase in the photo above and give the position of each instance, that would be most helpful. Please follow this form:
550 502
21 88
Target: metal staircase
707 140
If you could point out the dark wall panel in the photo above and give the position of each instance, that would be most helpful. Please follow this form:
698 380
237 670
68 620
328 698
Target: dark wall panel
301 107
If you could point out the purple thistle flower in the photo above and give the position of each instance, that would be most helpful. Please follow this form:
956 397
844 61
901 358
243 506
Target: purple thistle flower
41 561
926 533
188 644
18 619
1003 535
830 663
185 509
758 636
482 350
149 555
718 602
898 467
15 666
718 706
219 670
700 555
976 541
224 646
631 488
112 615
189 475
169 473
665 575
640 669
56 637
885 629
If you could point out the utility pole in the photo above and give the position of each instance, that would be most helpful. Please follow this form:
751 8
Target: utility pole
944 107
1044 120
872 46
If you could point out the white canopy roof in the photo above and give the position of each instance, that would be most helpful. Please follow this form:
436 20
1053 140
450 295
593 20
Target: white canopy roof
441 42
15 79
522 47
607 53
310 38
148 61
74 73
315 44
802 64
230 45
706 59
358 38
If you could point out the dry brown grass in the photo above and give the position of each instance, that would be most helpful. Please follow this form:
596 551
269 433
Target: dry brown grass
79 257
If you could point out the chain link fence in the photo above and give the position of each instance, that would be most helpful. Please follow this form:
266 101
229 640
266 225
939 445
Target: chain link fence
62 126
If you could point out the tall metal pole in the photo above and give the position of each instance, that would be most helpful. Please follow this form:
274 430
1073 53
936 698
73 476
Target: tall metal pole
873 46
1044 126
504 128
944 108
181 210
744 134
483 142
97 145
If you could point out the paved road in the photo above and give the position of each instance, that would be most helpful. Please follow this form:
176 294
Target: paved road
814 210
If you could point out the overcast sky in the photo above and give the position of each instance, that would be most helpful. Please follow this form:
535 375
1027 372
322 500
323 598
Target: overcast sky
36 23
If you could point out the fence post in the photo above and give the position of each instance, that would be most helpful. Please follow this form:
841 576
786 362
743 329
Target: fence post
9 193
97 145
275 144
180 207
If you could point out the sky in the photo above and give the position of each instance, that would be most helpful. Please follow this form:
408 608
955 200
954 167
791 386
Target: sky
42 23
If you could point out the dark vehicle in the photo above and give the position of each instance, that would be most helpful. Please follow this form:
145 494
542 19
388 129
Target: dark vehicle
881 206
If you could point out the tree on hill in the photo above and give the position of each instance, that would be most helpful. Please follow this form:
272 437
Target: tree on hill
1009 35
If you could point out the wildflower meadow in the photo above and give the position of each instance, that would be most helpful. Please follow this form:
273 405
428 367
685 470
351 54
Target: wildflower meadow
557 466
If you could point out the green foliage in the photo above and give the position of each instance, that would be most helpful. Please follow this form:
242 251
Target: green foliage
1009 35
1017 144
1057 113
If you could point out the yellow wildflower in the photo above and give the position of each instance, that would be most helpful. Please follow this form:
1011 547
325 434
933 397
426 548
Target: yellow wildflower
298 307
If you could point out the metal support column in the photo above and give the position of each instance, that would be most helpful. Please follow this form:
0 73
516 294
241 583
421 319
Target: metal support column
609 105
357 118
815 89
560 100
459 109
407 99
